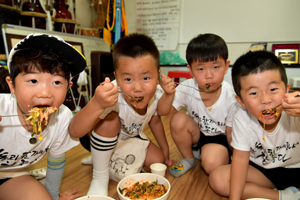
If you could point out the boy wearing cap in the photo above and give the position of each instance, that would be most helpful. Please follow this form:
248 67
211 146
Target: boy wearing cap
41 67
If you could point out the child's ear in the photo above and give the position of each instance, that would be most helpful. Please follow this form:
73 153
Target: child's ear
287 88
70 85
190 68
10 84
159 71
240 100
227 63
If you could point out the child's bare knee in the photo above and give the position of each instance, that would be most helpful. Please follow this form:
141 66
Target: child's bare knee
110 125
210 164
177 121
218 183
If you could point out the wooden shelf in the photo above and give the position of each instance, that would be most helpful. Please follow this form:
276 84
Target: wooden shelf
3 57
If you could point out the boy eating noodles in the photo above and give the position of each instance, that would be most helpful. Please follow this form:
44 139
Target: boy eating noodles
40 68
210 103
118 120
266 141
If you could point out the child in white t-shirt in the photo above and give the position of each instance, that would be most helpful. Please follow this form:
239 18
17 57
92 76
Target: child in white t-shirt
207 126
266 142
41 67
136 63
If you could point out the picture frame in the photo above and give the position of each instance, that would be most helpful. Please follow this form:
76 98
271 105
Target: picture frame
258 47
287 53
288 56
13 39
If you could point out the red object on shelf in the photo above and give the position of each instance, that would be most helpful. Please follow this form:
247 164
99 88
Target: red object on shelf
60 8
285 46
179 74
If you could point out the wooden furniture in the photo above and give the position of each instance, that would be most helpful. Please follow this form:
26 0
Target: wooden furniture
102 66
191 186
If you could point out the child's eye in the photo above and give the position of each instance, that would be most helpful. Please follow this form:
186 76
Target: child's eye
200 69
127 79
32 81
253 93
274 89
216 67
56 82
146 78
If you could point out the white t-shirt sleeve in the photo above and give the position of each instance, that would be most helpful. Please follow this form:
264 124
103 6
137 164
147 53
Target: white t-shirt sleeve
240 131
64 141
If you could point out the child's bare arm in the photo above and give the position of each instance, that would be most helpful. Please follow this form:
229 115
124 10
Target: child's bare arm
291 104
228 131
165 102
238 175
158 131
106 95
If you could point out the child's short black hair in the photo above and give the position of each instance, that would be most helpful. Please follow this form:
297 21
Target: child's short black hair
4 88
205 48
26 60
253 63
135 45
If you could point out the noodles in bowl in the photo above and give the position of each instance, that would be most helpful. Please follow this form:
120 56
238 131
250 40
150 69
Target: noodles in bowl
144 186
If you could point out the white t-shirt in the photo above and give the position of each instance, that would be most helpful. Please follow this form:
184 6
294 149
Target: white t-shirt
212 122
281 148
133 124
15 150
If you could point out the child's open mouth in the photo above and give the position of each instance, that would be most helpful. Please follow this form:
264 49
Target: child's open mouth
136 100
269 113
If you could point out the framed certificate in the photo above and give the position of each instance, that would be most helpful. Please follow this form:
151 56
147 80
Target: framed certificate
287 53
288 56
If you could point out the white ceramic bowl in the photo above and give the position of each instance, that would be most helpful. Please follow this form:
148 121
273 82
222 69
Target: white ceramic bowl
132 179
95 197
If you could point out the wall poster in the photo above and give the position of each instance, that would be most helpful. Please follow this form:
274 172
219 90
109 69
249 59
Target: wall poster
159 19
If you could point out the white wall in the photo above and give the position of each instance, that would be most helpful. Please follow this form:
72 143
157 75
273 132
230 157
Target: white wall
240 23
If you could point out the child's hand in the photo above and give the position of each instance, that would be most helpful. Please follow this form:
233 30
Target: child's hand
291 104
69 195
167 84
106 94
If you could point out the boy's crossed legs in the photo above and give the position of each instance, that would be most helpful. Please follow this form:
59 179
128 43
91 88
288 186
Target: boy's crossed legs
185 133
257 185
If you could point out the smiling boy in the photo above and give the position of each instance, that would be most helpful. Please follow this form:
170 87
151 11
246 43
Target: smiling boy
266 148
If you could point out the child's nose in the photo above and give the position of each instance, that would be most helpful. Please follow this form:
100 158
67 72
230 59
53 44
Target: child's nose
44 92
137 87
265 98
209 74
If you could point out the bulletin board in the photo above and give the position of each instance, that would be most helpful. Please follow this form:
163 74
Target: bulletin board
242 20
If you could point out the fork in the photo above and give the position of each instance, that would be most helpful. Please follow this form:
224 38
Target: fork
298 95
133 98
193 87
14 115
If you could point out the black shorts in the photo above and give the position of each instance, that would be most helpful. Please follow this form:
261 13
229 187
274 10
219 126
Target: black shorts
217 139
281 177
4 180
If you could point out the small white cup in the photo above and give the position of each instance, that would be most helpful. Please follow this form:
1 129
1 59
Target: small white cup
158 168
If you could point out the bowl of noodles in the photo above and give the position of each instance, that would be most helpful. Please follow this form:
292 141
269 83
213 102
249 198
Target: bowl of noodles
144 186
95 197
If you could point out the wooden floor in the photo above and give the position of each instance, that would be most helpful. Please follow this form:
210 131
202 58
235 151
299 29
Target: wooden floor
191 186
